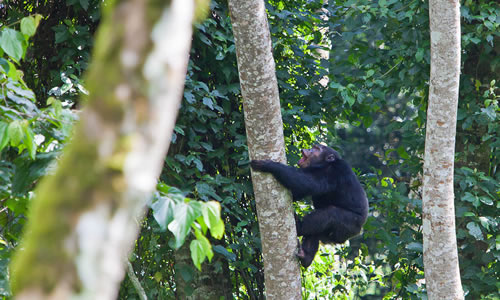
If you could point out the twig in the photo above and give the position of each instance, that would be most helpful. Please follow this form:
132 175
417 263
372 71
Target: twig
135 282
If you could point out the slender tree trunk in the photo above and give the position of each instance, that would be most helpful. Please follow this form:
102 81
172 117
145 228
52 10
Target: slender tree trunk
442 274
135 282
81 226
210 284
264 127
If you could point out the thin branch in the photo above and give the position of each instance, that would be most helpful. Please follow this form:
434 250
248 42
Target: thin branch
135 282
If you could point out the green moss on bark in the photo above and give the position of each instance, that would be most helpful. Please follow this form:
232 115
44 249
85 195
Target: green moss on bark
85 176
51 219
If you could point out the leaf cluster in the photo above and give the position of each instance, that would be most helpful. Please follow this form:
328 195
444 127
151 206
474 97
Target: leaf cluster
181 215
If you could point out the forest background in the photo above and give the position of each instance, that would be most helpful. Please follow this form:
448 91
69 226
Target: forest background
366 98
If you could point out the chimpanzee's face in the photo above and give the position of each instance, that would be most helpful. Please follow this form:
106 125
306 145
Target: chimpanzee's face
318 155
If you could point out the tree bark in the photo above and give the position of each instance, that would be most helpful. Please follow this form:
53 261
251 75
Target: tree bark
210 284
82 224
442 274
264 128
135 282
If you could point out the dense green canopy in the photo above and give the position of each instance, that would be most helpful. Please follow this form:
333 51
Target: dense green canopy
352 74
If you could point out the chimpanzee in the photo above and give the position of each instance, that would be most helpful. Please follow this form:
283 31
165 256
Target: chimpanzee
340 203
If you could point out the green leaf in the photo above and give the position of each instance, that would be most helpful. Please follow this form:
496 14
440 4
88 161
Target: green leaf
206 191
336 85
402 152
29 141
62 34
211 216
4 135
367 121
414 246
56 105
490 112
197 254
200 249
221 250
420 54
11 42
15 132
28 26
489 39
189 97
179 130
198 164
386 181
29 171
471 198
486 200
475 40
84 4
163 211
203 86
4 65
203 225
208 102
347 98
37 18
475 230
184 216
205 243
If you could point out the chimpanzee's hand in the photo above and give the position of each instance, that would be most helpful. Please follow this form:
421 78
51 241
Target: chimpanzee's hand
261 165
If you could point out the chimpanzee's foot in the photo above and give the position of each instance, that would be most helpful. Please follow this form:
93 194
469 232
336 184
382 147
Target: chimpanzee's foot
304 258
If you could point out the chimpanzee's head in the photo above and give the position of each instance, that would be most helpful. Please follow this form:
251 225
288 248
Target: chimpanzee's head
318 156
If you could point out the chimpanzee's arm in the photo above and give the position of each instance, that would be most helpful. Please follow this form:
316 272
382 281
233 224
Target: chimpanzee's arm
300 183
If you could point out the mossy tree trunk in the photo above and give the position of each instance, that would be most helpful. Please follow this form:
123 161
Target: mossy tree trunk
264 127
82 224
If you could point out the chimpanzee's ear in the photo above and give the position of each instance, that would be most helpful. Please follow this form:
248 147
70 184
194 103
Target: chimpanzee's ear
330 158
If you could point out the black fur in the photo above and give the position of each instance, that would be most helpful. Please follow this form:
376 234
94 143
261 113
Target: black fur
340 204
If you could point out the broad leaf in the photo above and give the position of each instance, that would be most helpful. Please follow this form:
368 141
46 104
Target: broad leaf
211 216
28 26
11 42
29 141
475 230
163 211
200 249
4 135
15 132
197 253
185 214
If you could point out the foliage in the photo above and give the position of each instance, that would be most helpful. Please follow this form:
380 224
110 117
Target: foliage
179 214
331 278
373 109
62 43
30 136
352 74
209 158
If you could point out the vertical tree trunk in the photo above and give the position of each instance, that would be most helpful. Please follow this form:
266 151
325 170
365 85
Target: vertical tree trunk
264 127
210 284
81 226
442 274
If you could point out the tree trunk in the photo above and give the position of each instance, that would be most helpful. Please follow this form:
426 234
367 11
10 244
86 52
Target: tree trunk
82 224
213 283
264 128
442 274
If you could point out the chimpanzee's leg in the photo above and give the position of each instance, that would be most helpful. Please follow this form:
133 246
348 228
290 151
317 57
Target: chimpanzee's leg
308 249
336 223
